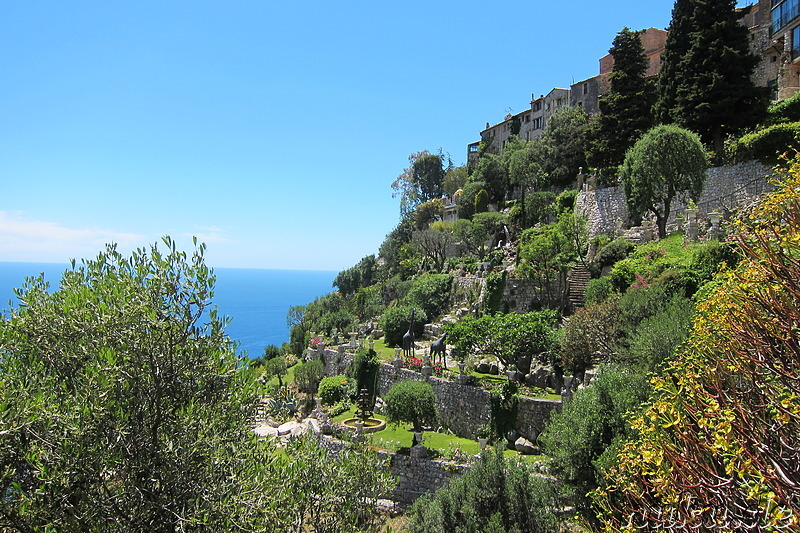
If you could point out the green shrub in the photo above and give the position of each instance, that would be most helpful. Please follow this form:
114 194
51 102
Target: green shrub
308 375
341 320
395 321
590 335
413 402
638 304
598 290
765 145
656 338
709 258
565 202
787 110
504 405
495 286
481 201
581 440
466 202
364 372
332 389
431 293
496 495
650 260
616 250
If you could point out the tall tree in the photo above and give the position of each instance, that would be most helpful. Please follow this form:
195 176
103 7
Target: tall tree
563 145
491 170
626 111
705 83
524 170
421 181
666 162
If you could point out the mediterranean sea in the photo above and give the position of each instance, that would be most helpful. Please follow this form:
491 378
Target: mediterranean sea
256 300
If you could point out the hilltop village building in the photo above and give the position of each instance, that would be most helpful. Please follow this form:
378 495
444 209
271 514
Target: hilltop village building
585 94
774 36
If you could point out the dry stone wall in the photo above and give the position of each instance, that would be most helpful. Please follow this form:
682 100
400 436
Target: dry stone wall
415 475
462 408
726 188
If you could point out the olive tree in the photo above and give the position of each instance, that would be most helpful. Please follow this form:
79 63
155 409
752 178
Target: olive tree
411 401
123 405
666 162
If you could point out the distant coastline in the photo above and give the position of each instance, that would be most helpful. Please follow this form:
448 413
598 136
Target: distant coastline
256 299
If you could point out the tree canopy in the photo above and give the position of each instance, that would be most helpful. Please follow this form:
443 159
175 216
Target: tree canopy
666 162
705 83
626 110
422 181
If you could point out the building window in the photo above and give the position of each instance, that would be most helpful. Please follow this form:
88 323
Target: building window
795 43
585 88
784 13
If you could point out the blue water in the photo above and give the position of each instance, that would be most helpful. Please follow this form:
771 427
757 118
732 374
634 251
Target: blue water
256 299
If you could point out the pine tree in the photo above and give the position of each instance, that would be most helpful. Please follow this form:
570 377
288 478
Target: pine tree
627 108
705 83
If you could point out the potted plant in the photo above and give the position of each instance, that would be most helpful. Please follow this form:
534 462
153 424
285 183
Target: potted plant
483 433
511 372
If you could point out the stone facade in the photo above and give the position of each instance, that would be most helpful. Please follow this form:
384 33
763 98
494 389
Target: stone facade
726 189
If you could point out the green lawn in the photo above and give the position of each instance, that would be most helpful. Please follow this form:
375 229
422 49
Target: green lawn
385 353
448 446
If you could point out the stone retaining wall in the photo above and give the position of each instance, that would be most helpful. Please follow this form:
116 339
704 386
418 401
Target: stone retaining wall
415 476
462 408
726 188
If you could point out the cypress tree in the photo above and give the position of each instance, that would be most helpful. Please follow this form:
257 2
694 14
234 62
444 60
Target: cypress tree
626 111
705 83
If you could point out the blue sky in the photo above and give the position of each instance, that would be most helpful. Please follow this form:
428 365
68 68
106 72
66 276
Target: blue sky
272 131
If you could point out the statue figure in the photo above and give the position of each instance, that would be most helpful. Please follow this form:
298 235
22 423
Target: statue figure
439 347
408 338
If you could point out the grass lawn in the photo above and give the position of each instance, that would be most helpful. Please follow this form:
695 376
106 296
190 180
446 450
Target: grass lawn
385 353
448 446
287 379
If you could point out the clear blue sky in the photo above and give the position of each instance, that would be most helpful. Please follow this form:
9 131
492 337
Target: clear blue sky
272 131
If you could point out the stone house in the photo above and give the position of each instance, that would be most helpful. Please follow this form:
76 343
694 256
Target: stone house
587 93
531 123
775 38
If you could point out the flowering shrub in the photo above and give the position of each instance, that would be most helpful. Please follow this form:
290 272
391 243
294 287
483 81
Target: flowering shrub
416 364
314 342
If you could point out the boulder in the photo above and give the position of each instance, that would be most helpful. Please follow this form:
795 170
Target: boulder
482 367
538 377
526 447
524 364
494 369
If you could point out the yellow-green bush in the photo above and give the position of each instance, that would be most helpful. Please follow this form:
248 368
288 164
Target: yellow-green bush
718 446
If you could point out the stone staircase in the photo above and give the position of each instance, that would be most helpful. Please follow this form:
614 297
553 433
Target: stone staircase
578 281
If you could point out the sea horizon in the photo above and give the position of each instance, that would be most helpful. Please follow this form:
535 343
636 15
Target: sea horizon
256 299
